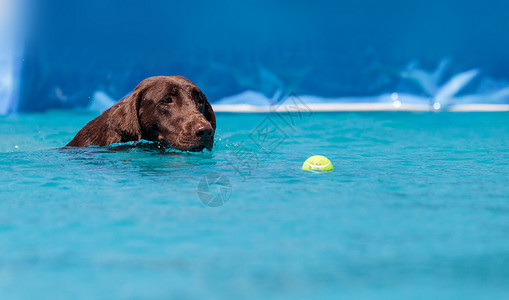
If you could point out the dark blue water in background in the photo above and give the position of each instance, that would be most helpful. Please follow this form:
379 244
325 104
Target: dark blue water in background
327 48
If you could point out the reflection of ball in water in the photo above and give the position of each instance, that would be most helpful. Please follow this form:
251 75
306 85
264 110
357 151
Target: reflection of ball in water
317 162
214 189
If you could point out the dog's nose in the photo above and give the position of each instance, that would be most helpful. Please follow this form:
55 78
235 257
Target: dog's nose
203 130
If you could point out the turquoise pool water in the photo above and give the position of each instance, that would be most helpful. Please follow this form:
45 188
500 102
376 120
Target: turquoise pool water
417 207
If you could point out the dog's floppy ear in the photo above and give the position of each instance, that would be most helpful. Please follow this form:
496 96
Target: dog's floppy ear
209 112
125 118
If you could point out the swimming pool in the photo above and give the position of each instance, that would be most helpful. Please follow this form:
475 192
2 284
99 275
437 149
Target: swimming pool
417 206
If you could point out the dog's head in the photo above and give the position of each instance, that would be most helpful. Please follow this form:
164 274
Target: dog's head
170 110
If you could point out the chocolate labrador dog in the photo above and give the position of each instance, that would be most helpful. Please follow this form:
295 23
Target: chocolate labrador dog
170 110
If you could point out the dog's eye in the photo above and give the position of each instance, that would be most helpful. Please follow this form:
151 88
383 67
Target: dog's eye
167 100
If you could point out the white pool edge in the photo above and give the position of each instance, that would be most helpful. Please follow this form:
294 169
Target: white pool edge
339 107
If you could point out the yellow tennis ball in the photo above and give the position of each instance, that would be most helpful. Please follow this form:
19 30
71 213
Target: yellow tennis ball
317 162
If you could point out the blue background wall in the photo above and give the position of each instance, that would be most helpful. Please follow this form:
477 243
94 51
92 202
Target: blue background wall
324 48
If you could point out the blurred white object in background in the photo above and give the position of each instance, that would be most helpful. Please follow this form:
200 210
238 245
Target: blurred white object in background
100 102
11 56
454 85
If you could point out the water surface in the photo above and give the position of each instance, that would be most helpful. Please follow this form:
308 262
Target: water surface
417 207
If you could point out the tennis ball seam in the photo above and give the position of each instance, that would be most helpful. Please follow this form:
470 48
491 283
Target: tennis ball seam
317 166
